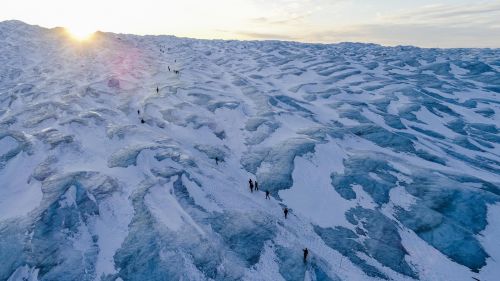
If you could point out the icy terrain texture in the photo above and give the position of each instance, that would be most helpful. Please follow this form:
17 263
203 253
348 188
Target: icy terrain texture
388 159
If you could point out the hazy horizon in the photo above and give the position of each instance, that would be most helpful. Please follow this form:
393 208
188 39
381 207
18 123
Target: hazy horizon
444 24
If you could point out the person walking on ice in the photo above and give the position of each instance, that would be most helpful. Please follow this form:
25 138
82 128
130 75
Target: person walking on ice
157 90
286 212
250 184
306 252
256 186
267 195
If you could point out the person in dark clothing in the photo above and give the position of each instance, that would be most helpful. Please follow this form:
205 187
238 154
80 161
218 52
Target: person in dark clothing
256 186
250 184
142 121
168 68
267 195
286 212
138 112
306 252
217 160
157 90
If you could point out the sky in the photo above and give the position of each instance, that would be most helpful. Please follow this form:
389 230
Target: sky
425 23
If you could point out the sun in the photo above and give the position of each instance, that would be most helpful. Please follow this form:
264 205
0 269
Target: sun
80 33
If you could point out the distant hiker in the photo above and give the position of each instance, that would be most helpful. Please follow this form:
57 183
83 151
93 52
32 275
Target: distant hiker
217 160
250 184
157 90
256 186
267 195
286 212
142 121
168 68
138 112
306 252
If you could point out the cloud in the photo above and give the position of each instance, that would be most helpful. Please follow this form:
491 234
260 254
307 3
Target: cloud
423 35
475 25
289 12
292 19
450 14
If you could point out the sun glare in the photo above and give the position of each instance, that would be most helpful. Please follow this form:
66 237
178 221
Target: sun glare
80 33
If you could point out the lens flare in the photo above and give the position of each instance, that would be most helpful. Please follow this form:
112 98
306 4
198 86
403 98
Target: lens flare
80 33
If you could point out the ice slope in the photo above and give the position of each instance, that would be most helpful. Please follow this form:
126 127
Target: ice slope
388 158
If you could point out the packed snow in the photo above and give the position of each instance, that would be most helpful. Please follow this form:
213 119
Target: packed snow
128 158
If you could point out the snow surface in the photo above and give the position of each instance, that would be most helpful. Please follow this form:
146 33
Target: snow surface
388 159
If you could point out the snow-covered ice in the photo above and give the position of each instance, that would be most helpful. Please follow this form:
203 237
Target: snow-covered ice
388 159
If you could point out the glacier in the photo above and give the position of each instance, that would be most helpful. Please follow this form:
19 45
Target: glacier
388 159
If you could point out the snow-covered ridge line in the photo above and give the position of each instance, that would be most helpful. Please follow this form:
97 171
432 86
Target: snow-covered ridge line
387 158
